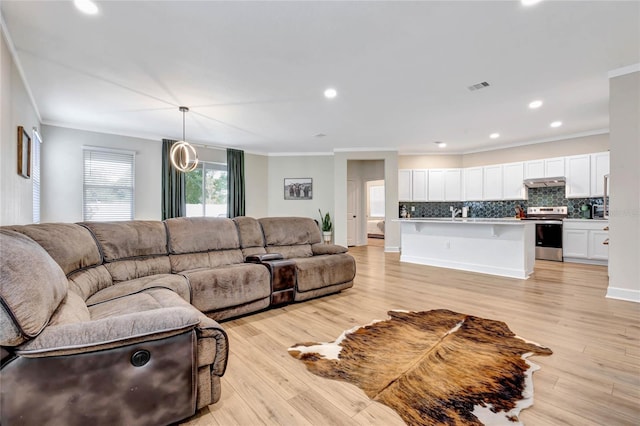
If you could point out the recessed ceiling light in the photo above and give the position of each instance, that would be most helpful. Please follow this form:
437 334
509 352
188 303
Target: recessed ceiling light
535 104
86 6
494 135
440 144
330 93
556 124
529 2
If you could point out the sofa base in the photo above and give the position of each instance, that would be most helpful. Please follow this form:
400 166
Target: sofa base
240 310
103 387
300 296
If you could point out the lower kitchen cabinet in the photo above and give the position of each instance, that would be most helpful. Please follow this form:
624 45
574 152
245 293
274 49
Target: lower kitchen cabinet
585 241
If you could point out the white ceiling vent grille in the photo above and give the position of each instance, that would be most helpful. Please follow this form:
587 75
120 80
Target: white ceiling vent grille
478 86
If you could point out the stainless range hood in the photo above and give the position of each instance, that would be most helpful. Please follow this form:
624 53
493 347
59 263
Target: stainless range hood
545 182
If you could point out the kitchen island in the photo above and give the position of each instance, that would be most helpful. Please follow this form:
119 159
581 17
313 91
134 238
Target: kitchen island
504 247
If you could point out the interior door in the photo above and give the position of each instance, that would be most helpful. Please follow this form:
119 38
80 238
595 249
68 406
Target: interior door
352 206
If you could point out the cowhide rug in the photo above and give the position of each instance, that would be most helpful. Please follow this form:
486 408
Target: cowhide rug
434 367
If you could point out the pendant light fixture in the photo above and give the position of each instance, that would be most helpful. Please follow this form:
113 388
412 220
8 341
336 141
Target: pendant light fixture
183 156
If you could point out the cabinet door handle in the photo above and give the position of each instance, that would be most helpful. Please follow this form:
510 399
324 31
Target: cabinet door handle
606 228
606 242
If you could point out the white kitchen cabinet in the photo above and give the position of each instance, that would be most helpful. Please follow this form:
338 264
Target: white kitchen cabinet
419 185
578 173
554 167
583 241
492 182
436 185
453 185
472 183
512 181
548 167
445 185
599 168
404 185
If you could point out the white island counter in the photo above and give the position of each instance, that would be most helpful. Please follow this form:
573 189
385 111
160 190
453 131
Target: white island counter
503 247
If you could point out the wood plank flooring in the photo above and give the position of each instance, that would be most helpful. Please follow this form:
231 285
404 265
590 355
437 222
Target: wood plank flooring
592 378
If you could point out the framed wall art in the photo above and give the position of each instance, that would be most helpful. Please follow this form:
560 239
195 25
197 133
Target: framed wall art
24 153
298 188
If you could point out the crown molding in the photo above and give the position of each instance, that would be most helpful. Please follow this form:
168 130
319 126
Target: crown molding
624 70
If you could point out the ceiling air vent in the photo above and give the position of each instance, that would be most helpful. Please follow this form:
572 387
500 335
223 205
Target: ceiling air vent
478 86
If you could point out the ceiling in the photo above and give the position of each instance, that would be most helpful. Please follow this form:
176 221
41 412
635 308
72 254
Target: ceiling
253 73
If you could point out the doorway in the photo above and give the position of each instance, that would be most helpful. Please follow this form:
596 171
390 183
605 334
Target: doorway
365 202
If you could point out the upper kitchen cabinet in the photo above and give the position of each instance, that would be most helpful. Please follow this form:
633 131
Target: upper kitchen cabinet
445 185
549 167
419 191
404 185
472 179
578 173
492 182
599 168
412 185
512 181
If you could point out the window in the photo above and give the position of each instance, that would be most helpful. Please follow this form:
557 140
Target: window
108 184
376 199
206 190
35 175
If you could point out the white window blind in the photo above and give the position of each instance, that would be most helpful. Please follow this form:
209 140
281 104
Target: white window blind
35 175
108 184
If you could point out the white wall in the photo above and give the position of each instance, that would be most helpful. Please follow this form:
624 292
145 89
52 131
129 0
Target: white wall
624 220
256 172
62 161
16 109
319 168
560 148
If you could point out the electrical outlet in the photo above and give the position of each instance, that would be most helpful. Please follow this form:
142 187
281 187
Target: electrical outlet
413 208
450 208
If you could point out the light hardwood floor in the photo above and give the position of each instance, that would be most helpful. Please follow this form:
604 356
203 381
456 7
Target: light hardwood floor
592 378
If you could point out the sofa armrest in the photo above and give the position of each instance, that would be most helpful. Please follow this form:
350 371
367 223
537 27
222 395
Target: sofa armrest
210 330
321 248
259 258
111 332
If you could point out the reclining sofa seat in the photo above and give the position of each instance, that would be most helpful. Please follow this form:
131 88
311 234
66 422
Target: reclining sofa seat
123 326
320 268
207 251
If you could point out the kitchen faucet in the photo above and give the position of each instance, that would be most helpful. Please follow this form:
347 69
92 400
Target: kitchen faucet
454 212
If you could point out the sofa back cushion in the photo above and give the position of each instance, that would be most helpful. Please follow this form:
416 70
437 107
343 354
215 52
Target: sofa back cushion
250 234
32 285
71 246
132 249
290 236
202 242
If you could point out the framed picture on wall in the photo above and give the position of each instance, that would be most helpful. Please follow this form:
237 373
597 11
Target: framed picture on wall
24 153
298 188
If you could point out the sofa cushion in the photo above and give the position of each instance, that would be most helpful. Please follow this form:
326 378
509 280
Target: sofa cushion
71 246
250 232
173 282
292 252
200 234
322 271
286 231
87 282
32 285
129 239
130 269
227 286
205 260
322 248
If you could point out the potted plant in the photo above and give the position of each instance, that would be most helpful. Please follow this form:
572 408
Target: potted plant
326 226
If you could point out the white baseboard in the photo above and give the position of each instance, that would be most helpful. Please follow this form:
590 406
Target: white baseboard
392 249
623 294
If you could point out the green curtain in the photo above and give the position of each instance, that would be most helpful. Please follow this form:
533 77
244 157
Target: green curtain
173 185
235 183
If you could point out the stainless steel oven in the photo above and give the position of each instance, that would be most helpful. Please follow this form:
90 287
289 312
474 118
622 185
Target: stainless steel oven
548 231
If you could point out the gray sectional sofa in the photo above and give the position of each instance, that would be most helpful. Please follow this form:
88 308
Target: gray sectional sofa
116 322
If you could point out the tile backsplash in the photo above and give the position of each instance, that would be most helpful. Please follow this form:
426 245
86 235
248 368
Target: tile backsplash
538 197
